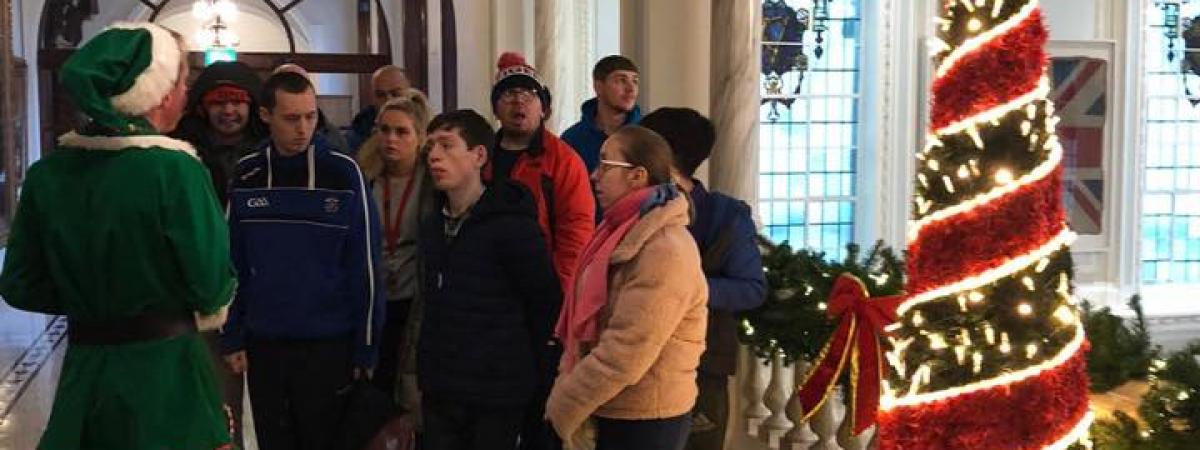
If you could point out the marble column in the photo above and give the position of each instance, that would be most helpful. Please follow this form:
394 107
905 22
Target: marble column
734 98
564 56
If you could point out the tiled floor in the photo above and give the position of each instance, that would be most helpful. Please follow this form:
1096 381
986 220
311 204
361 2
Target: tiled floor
30 360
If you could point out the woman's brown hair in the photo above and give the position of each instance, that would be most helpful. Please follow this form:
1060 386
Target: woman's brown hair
646 149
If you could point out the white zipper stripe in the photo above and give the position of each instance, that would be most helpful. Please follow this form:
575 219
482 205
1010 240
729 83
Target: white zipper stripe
362 185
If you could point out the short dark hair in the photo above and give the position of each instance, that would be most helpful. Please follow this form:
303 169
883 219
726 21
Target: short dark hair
610 64
290 82
644 148
471 126
690 134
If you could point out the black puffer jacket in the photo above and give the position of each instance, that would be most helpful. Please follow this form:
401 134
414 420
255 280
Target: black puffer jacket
491 301
194 127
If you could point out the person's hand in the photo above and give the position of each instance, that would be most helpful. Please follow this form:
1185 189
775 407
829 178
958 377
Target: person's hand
584 437
237 362
363 374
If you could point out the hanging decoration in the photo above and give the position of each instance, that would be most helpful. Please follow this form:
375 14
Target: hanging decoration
216 16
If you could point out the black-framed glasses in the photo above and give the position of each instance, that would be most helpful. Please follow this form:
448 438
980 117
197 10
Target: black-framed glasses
523 94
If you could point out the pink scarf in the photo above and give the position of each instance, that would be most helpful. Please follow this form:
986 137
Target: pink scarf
577 319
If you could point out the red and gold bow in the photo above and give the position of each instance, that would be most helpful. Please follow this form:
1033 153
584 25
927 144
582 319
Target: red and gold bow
856 339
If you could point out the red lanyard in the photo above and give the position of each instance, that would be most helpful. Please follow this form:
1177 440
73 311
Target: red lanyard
392 225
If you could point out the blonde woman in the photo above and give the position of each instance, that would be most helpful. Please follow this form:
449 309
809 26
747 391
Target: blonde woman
390 160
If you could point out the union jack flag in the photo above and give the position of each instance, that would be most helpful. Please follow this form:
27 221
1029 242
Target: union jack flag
1079 92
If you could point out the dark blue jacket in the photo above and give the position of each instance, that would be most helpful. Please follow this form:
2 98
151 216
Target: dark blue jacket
738 284
586 137
725 235
491 301
305 241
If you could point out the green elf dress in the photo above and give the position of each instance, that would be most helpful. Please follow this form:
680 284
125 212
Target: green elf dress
120 223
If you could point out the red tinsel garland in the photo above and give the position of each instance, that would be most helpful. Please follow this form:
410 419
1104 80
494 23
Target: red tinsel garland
992 75
987 236
1029 414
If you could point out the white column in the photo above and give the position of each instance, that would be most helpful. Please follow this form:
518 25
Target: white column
734 97
563 39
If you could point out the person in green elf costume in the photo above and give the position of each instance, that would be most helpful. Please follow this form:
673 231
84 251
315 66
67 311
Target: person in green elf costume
119 229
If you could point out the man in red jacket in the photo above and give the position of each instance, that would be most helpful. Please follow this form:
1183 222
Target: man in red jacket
527 153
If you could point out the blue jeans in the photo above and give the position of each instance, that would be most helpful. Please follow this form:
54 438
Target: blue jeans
655 434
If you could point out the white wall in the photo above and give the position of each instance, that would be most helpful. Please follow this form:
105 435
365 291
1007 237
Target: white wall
1074 19
607 28
18 48
669 40
332 28
29 18
476 60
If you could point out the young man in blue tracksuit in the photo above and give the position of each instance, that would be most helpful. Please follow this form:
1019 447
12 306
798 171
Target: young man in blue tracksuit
725 234
304 240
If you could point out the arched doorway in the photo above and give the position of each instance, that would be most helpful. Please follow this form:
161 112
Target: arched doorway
67 23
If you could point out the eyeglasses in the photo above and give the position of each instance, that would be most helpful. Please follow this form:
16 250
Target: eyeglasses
605 164
522 94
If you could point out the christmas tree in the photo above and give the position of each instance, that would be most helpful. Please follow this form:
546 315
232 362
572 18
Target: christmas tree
989 350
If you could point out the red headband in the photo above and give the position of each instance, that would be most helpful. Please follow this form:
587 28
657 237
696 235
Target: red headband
225 93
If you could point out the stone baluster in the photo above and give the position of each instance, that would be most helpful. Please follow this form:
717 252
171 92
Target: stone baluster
776 398
800 434
824 422
752 391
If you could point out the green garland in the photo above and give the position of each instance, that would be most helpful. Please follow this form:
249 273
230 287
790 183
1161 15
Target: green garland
792 320
1170 410
1121 350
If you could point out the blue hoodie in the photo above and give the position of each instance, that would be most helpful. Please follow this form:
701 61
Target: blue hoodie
586 137
305 241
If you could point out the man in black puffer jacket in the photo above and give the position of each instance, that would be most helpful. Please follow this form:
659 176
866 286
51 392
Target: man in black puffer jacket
221 119
492 296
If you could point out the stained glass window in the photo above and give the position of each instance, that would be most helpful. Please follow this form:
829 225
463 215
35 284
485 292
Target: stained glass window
809 144
1170 222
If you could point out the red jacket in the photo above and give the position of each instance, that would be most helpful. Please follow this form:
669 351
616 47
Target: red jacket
553 171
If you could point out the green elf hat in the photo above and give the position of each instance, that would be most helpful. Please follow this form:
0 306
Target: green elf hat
121 73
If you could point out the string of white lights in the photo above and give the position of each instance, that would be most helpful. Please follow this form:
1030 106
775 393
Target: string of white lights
1014 265
889 401
999 111
1038 173
971 45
